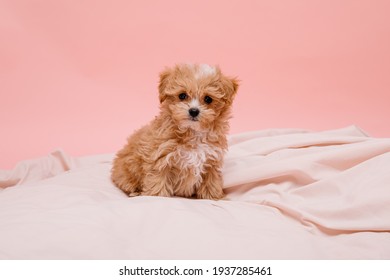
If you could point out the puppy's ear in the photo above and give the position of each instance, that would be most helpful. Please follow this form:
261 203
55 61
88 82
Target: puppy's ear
230 87
164 80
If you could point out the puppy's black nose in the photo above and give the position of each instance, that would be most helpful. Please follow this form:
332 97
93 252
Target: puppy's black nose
194 112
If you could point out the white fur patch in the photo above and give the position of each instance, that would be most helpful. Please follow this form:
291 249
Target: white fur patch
194 103
194 159
205 70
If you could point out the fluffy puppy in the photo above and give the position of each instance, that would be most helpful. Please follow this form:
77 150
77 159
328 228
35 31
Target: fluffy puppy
180 153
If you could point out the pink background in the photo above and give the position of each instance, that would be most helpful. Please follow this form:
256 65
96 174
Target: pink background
82 75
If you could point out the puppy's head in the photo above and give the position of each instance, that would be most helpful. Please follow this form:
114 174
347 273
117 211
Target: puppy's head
196 96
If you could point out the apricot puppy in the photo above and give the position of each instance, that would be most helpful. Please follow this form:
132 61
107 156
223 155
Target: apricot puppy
180 153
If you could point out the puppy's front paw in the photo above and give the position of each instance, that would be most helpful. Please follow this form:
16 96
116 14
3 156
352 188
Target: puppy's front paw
210 193
152 192
134 194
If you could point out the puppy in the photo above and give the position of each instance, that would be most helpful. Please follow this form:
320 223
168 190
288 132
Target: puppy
180 153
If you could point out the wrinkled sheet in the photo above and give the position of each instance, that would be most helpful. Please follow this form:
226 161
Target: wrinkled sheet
291 194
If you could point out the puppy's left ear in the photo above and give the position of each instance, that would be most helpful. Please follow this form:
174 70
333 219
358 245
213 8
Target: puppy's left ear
164 80
230 87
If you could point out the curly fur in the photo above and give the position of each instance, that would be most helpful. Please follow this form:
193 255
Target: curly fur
178 154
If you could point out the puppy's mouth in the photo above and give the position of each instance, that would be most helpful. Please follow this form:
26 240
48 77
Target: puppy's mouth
194 119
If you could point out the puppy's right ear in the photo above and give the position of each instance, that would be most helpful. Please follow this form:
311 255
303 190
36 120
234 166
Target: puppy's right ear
164 80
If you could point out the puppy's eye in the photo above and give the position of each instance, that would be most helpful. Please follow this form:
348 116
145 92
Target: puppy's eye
208 99
183 96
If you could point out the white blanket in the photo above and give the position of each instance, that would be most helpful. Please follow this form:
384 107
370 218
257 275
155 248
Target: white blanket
291 194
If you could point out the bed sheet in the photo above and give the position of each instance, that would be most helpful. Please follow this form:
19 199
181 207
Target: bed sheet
290 194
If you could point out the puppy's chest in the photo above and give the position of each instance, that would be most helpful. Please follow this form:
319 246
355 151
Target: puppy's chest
194 158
